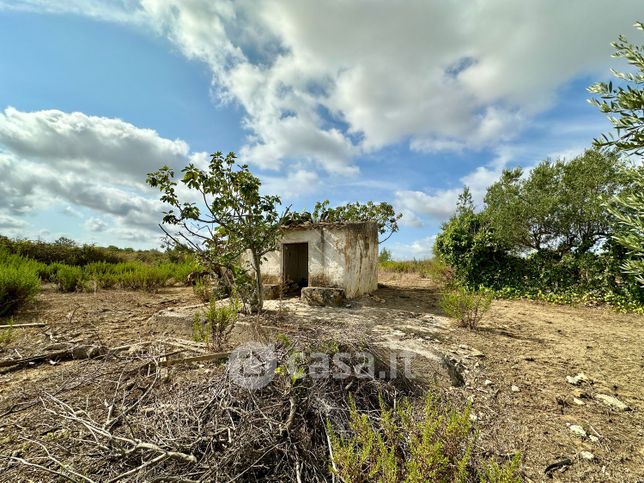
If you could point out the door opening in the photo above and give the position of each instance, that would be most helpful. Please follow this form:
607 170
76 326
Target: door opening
295 266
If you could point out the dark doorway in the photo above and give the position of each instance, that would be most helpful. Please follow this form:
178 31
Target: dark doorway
295 268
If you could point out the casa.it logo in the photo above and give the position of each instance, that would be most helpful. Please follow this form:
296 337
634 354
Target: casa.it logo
252 365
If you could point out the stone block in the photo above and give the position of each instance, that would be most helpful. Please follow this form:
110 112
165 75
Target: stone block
324 296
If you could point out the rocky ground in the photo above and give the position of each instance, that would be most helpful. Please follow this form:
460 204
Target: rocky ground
563 385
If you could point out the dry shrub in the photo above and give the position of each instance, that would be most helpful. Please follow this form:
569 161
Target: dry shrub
127 425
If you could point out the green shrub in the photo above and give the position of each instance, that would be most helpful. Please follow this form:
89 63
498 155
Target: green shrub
411 445
70 278
466 306
215 324
19 282
7 335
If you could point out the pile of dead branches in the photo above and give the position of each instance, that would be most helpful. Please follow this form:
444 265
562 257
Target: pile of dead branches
206 428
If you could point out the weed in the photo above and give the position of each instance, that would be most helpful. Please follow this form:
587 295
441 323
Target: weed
215 324
466 306
19 282
7 335
410 444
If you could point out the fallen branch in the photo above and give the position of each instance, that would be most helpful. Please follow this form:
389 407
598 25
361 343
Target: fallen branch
217 356
20 326
77 352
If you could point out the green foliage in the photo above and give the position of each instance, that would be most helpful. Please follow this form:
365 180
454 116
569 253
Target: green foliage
557 206
506 473
547 235
233 219
7 335
624 102
215 324
383 214
19 282
384 256
69 278
407 444
203 289
62 251
624 105
628 210
466 306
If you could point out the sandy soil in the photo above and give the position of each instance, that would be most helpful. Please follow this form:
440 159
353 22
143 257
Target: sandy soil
528 345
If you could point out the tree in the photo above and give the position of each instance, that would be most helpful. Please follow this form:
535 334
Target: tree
624 106
628 211
558 206
231 218
383 214
384 256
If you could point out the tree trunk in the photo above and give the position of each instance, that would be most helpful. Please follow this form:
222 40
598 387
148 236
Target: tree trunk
257 260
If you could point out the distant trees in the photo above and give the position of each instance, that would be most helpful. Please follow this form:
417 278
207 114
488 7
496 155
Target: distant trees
624 105
545 231
557 206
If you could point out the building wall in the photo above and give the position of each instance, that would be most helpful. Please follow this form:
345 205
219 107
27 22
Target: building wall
340 255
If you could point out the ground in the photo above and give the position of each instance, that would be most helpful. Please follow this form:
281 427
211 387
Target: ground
531 346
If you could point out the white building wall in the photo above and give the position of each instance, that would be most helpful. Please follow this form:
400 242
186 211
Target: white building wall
340 255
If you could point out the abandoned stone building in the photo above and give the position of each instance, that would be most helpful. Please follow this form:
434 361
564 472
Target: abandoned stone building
338 255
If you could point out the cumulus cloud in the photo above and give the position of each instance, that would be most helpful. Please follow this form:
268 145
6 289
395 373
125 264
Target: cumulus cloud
323 82
77 161
95 225
88 145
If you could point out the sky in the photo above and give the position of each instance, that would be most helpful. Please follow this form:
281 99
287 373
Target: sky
404 102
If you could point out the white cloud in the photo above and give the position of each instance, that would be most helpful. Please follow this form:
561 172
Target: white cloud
95 225
293 185
324 81
88 145
418 249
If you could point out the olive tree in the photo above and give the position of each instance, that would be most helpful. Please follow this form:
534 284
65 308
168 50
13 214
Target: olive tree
623 103
221 215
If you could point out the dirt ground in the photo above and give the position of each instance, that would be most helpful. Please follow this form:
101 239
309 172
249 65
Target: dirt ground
513 368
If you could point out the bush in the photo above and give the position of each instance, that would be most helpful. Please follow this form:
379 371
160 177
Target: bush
7 335
69 278
216 323
404 444
466 306
19 282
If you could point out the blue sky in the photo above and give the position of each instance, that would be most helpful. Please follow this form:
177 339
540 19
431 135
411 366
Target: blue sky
347 102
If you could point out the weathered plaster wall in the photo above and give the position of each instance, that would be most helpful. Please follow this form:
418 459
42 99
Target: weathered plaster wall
340 255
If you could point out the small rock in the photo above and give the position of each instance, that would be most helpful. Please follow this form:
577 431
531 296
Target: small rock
612 402
473 417
594 438
578 379
476 353
586 455
578 430
578 402
515 388
487 382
